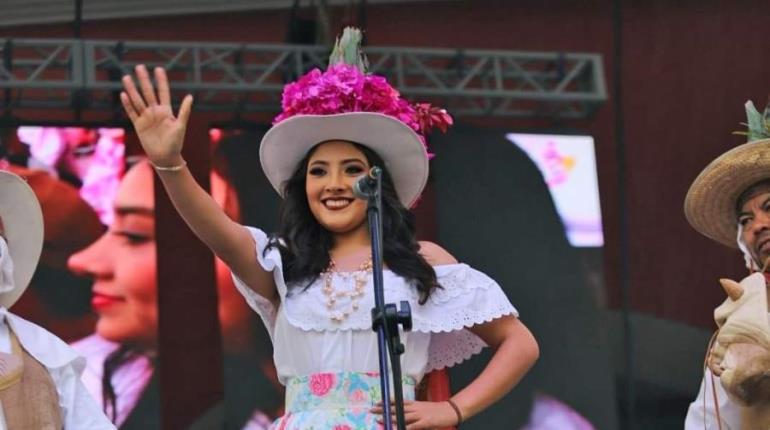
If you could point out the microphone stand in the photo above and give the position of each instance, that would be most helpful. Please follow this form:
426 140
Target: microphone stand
386 318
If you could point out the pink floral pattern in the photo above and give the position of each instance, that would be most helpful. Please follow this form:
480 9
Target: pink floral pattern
321 383
357 396
334 401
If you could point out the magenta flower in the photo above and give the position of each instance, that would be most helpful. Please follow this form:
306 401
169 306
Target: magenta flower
344 88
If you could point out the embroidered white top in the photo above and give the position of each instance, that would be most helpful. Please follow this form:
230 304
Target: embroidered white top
306 340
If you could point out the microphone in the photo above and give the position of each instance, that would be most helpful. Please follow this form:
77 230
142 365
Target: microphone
366 185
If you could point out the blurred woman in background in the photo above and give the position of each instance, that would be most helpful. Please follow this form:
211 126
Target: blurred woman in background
121 354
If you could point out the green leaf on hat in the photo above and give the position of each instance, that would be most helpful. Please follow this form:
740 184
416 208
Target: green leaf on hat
756 123
347 50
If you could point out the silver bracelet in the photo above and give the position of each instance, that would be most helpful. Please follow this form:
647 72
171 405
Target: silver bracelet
176 168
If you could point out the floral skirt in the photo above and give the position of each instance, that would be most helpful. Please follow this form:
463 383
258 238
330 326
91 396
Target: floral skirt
334 401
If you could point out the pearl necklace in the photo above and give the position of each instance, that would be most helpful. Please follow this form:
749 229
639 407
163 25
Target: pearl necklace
332 295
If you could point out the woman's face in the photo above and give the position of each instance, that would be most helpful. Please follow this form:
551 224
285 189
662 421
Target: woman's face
124 267
331 172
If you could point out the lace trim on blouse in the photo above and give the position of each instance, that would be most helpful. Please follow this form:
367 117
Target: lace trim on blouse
467 298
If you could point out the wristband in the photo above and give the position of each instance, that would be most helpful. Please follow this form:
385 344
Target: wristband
457 411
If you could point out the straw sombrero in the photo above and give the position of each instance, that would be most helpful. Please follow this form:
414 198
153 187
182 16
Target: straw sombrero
286 144
23 230
710 202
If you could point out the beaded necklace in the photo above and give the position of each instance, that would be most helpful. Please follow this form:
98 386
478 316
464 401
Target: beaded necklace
332 295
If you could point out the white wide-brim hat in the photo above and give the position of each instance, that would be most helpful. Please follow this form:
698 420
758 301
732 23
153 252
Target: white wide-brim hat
400 147
711 200
23 230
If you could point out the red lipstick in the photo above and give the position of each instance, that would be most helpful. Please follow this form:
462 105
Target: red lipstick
101 301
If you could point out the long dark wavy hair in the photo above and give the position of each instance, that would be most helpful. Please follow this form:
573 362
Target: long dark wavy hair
304 244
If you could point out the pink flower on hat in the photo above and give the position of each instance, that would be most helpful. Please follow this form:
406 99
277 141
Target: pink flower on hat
345 102
344 88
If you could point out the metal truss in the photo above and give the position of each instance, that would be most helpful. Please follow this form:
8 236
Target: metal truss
85 75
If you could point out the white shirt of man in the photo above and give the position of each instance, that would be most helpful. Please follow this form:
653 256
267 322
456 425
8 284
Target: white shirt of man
78 408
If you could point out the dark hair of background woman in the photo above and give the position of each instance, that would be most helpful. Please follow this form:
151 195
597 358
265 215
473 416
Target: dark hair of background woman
301 234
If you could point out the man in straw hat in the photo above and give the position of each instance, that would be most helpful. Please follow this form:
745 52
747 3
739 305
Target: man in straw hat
40 384
730 202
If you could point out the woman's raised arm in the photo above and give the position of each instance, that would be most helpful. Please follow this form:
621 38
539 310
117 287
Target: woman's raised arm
162 137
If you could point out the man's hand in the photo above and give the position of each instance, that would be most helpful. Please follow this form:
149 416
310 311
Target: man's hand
740 355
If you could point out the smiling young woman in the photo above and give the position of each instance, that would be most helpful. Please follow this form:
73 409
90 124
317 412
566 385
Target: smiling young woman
310 282
332 170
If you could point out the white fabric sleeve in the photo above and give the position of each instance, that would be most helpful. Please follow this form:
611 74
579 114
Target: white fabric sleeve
271 262
701 415
79 410
466 298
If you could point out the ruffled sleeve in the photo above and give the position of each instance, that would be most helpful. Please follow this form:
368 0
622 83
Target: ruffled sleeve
467 298
271 262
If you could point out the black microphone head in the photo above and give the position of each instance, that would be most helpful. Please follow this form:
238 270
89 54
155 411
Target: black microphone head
366 184
361 188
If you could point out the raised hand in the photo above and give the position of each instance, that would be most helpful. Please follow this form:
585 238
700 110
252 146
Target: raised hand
160 132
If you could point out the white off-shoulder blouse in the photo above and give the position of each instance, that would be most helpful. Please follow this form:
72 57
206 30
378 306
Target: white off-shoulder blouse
306 340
